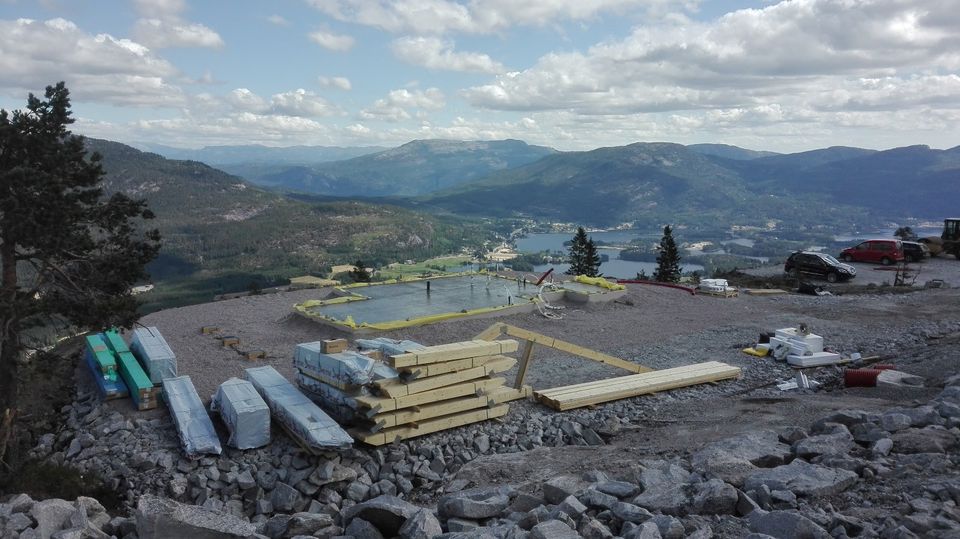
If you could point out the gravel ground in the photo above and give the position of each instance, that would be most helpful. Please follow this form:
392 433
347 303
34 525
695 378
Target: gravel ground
653 326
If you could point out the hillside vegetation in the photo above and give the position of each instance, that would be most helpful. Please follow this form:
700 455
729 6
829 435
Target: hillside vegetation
220 233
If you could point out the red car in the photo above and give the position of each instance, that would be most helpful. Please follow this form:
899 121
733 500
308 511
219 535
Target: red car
885 252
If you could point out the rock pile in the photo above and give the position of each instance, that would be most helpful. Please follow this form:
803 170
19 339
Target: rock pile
850 474
23 518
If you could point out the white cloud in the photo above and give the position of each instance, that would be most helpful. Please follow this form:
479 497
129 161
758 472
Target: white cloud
341 83
786 54
244 100
331 41
278 20
161 26
300 102
162 34
432 17
394 107
98 68
435 53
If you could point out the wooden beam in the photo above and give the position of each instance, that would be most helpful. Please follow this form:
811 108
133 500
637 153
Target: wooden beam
387 404
569 348
429 411
397 388
452 351
525 359
506 394
491 333
590 393
433 369
430 426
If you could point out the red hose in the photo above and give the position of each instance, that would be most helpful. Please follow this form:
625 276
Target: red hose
545 275
693 291
860 377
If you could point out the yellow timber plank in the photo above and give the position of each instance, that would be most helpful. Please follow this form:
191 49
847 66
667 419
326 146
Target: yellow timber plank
377 405
430 426
429 411
574 349
566 400
452 351
506 394
433 369
620 380
491 333
396 388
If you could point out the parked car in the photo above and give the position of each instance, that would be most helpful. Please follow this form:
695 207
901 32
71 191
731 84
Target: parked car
883 251
819 265
915 251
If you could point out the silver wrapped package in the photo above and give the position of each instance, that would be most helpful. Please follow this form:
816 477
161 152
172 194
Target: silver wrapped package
154 353
343 369
296 412
243 411
389 347
197 435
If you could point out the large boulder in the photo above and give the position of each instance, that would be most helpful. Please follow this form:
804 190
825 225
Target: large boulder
422 525
788 525
160 518
387 513
803 479
838 443
664 489
556 489
925 440
735 458
52 516
553 529
474 503
715 497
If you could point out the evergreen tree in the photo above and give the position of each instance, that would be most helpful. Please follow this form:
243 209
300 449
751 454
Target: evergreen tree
68 253
583 256
591 260
359 273
668 259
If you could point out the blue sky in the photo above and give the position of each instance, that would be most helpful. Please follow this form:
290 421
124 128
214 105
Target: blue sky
571 74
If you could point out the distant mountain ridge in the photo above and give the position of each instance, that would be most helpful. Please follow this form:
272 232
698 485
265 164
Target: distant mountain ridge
659 182
415 168
259 154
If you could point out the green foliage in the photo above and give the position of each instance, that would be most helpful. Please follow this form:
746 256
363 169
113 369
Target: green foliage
359 273
68 252
668 260
583 257
905 233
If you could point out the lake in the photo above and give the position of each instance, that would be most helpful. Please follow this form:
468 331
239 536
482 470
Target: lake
623 269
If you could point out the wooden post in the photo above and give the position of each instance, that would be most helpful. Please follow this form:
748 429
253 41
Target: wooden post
525 359
6 430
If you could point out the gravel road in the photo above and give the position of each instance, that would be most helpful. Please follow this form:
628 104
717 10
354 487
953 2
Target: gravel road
945 268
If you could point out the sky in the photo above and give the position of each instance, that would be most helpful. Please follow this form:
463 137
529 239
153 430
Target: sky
571 74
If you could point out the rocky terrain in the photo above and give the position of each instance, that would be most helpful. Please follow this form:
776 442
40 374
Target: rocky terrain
725 460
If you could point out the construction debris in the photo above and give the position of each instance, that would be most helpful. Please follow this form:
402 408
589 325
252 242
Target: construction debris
313 429
801 348
716 287
197 435
244 413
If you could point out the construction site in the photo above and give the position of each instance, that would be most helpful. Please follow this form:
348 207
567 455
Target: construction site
497 406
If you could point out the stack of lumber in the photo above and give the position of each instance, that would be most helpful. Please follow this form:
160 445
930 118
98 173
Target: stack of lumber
142 390
303 420
103 367
437 388
590 393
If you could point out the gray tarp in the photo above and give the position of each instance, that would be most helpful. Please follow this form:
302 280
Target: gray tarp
196 430
297 412
389 347
153 351
343 368
244 412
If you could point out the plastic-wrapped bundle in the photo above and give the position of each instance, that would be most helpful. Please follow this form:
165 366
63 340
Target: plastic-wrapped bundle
153 351
244 412
389 347
343 369
297 412
341 405
196 430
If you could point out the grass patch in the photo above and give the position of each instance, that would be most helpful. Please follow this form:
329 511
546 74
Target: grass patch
440 264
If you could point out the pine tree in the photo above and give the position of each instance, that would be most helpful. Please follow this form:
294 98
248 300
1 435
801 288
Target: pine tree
68 253
583 258
591 260
668 259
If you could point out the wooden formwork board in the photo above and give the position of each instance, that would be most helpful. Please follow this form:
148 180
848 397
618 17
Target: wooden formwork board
507 394
428 411
764 291
433 369
719 294
406 432
396 388
452 351
377 405
576 396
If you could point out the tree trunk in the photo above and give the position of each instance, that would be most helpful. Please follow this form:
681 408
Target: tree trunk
9 326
